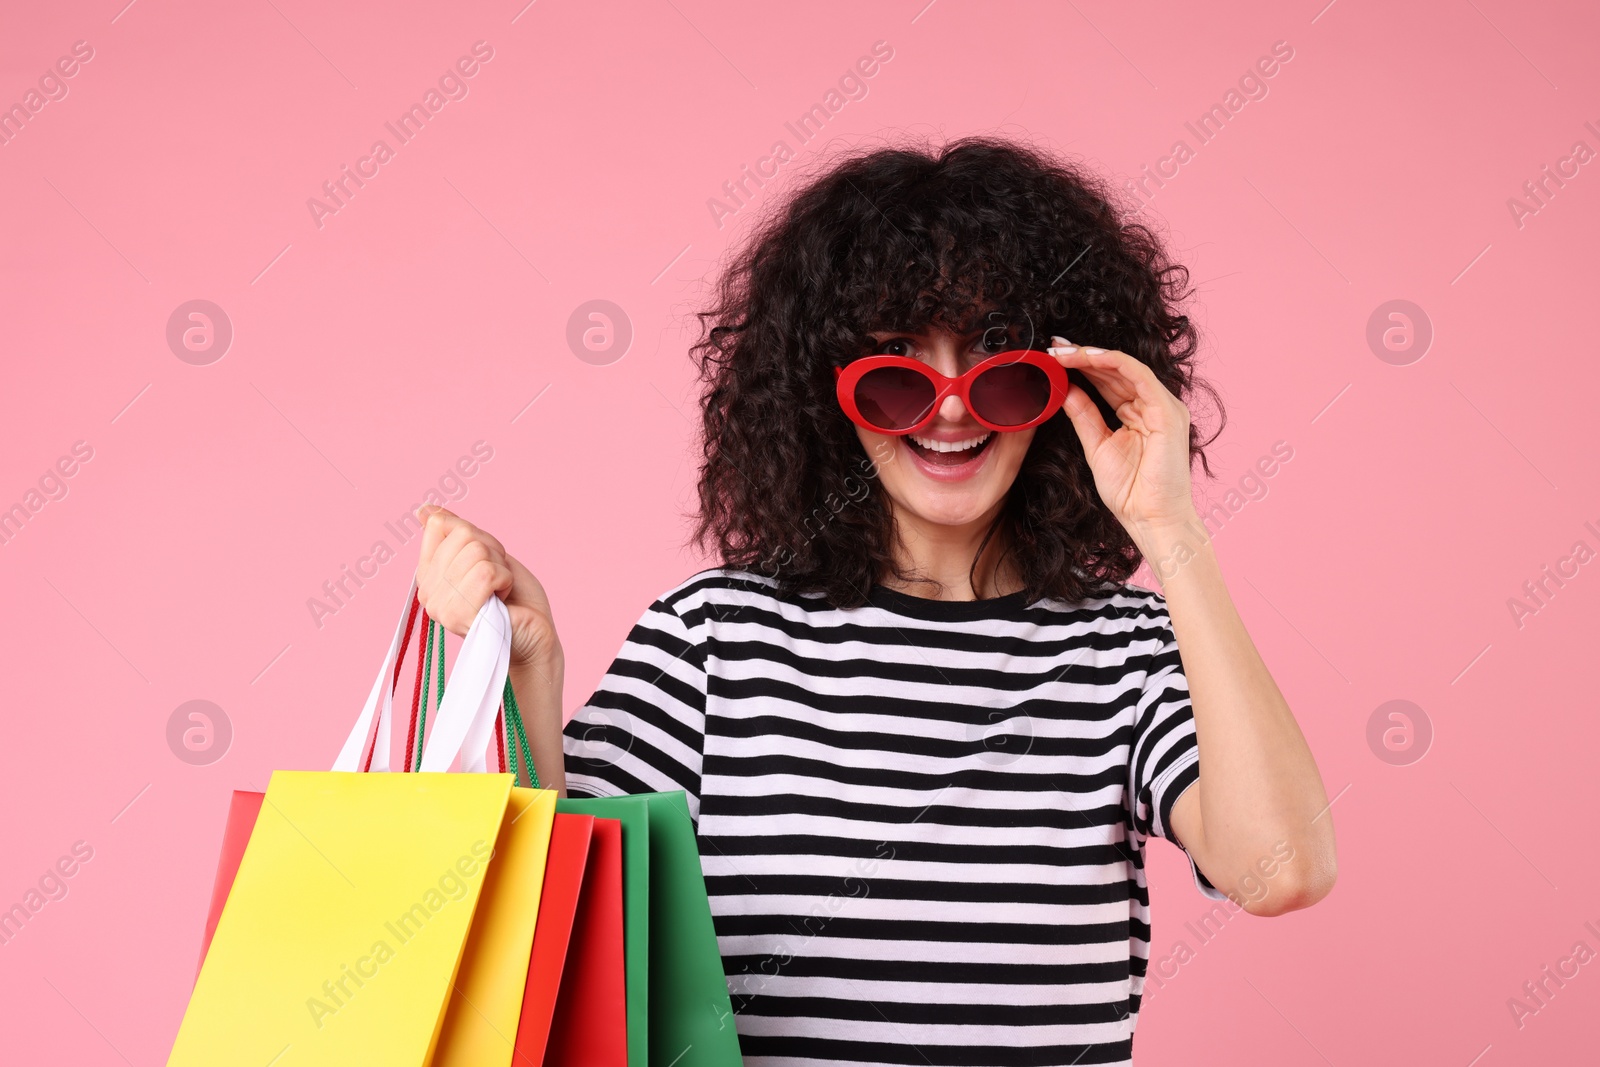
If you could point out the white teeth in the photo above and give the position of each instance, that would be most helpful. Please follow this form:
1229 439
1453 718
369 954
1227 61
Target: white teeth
950 446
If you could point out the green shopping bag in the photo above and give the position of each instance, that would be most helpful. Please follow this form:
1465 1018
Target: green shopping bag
678 1005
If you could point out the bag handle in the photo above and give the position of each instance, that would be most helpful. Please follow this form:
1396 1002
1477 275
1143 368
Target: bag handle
471 702
380 701
509 732
466 714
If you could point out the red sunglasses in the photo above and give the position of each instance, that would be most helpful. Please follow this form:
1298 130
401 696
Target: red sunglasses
900 395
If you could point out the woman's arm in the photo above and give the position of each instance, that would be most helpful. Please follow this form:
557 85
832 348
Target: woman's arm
538 689
1258 813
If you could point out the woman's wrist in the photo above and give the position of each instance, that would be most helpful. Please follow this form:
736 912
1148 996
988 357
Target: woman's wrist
539 673
537 681
1169 544
536 648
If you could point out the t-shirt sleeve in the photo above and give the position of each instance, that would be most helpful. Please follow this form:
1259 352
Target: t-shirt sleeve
1166 755
643 730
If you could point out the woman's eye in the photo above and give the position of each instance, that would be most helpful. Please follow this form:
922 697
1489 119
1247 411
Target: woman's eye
997 339
894 346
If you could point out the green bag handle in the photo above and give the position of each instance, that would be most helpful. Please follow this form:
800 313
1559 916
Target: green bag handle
427 671
517 737
522 771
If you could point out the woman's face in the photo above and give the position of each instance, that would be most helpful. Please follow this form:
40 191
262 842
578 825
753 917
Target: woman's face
955 472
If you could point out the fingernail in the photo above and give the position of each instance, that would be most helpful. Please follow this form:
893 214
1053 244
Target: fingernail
1094 351
1064 350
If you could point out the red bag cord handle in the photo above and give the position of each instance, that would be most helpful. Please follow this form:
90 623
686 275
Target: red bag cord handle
500 738
405 642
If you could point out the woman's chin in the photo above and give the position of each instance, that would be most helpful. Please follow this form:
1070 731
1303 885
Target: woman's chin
951 508
967 500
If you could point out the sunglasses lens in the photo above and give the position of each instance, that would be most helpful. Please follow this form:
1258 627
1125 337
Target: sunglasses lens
1011 395
894 398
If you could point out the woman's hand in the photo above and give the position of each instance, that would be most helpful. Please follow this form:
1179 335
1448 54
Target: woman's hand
461 566
1141 470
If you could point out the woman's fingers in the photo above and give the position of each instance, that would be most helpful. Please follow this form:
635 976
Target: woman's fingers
1108 369
1087 421
436 524
1111 386
475 573
1129 386
459 568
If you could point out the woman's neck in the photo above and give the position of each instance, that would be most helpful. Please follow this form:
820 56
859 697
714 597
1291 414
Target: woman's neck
937 560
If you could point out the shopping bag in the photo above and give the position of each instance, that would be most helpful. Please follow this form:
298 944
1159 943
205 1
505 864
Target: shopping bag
590 1024
486 999
242 812
372 917
677 993
494 960
246 804
345 923
558 905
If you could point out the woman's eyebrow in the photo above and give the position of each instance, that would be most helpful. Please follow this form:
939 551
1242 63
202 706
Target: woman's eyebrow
883 332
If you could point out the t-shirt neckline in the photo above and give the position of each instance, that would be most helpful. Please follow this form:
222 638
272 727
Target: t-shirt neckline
920 607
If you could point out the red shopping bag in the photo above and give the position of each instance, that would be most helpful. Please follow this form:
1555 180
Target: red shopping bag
590 1027
242 812
558 903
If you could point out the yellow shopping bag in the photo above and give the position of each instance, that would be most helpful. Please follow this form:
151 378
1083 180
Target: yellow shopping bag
382 918
480 1023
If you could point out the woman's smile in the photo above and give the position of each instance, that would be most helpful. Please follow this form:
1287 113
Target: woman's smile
946 456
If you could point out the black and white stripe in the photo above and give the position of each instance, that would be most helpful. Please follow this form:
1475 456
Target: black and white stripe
922 823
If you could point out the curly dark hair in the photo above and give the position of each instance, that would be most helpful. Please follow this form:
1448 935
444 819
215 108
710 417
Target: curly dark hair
903 238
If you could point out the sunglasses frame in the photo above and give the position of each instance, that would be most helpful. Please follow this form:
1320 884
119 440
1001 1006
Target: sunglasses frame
846 379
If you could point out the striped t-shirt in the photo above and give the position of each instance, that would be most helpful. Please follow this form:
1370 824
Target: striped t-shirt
922 823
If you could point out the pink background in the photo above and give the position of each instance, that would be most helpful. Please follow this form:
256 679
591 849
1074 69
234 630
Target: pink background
372 352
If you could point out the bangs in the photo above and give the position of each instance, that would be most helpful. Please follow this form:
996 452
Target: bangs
908 264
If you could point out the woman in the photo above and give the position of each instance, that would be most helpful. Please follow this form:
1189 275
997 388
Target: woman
924 725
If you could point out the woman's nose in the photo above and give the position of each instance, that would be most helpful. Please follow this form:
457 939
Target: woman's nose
952 410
